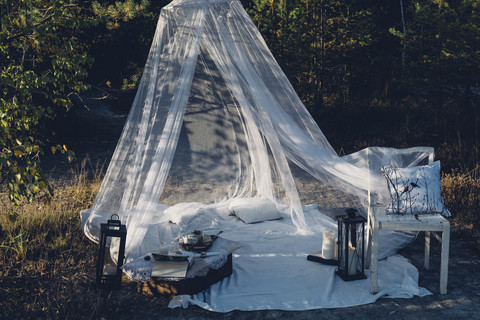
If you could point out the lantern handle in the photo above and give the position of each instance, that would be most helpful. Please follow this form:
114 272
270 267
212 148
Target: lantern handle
113 215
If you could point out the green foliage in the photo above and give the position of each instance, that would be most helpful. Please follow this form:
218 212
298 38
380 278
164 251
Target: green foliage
356 70
121 47
44 46
442 70
42 64
19 244
113 14
317 44
340 53
442 42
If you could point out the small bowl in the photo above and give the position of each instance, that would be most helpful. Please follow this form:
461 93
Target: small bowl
190 239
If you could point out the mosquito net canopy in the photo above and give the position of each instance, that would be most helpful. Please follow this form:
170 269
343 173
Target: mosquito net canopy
216 119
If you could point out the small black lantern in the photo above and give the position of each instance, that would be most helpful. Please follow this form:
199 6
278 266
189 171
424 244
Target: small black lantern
111 253
351 243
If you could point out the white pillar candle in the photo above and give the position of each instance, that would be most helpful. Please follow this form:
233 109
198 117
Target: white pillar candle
335 250
109 270
352 261
328 244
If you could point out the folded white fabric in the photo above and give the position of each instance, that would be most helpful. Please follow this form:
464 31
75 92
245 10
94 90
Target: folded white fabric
192 216
253 210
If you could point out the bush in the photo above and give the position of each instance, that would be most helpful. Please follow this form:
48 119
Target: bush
30 231
461 192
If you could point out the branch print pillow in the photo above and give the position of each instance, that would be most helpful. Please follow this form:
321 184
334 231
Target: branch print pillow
415 190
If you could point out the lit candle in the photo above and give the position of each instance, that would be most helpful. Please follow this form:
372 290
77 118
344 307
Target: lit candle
109 270
328 244
335 251
352 261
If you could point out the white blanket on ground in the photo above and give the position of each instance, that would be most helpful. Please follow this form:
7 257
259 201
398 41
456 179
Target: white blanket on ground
272 271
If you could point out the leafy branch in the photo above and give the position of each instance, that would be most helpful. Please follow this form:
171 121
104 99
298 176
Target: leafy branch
44 47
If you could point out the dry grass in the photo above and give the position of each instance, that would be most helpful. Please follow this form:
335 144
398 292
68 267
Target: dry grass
46 226
46 263
44 253
461 192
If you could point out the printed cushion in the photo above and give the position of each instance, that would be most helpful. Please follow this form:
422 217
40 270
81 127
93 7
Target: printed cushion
415 190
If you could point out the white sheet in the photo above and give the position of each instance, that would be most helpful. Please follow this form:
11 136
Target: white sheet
286 280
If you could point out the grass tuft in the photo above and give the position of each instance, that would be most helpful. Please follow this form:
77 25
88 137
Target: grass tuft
47 226
46 259
461 193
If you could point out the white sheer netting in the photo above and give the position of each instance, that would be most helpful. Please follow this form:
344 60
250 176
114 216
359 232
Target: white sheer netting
215 118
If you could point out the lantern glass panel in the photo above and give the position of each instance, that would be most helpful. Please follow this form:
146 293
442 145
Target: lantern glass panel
342 238
355 251
110 258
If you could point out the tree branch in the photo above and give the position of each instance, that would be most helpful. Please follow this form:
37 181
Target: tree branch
45 19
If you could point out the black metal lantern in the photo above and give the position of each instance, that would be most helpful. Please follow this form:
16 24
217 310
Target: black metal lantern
111 253
351 242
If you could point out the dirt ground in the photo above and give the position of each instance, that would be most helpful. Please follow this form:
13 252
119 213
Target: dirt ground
461 302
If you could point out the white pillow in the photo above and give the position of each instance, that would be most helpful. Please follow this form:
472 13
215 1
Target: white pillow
252 210
192 216
415 190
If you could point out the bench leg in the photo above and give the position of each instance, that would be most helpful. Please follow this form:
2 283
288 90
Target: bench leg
427 250
444 258
374 260
368 251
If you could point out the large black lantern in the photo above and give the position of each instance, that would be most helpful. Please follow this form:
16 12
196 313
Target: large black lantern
111 253
351 242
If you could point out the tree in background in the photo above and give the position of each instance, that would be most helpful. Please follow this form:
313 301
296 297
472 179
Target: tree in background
442 68
442 46
317 43
121 47
43 67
